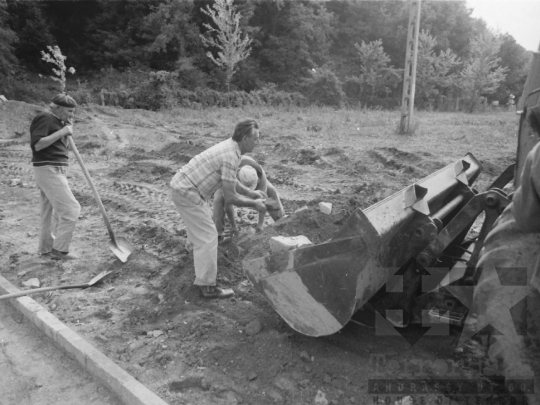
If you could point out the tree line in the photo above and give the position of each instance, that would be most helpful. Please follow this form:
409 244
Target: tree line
329 51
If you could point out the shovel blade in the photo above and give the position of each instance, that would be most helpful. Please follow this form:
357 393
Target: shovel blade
122 248
100 277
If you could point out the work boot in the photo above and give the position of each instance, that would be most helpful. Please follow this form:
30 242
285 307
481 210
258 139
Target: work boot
56 254
212 291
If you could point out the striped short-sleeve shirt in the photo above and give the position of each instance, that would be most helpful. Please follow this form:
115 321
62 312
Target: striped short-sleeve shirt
204 174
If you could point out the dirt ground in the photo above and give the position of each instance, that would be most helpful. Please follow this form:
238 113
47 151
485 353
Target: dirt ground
150 319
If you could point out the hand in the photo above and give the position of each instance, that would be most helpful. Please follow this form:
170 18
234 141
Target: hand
259 228
234 231
259 205
67 130
259 194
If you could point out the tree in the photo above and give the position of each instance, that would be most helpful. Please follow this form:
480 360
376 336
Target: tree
376 76
517 60
7 39
433 71
173 35
298 40
482 74
232 48
54 56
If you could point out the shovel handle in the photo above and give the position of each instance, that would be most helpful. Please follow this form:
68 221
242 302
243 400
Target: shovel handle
39 290
91 183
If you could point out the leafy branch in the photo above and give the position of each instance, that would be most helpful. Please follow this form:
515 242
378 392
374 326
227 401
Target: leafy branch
56 58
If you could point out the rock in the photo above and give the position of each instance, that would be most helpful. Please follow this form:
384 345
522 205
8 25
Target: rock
32 283
284 243
188 382
284 384
327 379
275 396
253 327
320 398
155 333
101 338
304 208
252 376
325 207
205 384
304 356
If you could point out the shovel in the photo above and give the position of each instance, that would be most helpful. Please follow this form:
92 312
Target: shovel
120 246
95 280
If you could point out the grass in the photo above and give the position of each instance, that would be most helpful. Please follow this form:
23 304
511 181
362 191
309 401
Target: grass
486 135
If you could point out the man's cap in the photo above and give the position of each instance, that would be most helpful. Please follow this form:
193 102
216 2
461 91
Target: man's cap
248 177
64 100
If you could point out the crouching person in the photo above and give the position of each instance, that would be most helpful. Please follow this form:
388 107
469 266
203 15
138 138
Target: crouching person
251 175
59 208
196 182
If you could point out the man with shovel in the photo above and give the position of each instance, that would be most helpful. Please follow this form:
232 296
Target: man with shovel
58 207
196 182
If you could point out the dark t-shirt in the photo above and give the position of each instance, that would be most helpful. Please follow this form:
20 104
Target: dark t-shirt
45 124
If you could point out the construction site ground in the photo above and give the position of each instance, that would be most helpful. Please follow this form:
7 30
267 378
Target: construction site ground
150 319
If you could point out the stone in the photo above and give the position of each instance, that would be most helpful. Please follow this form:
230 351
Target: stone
154 333
284 383
32 283
284 243
252 376
304 356
253 327
304 208
275 396
325 207
320 398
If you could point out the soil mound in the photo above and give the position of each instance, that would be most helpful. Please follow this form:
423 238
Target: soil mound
15 117
311 223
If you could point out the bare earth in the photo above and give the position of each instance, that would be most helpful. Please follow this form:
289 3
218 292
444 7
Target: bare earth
149 318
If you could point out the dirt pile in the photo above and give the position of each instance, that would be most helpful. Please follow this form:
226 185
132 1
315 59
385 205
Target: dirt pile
15 118
310 222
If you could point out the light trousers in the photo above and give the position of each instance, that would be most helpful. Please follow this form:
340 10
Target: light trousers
202 233
58 207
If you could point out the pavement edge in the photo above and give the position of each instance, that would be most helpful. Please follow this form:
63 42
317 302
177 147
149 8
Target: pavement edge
122 384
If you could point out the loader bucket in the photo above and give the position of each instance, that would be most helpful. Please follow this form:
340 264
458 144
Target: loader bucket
316 289
313 288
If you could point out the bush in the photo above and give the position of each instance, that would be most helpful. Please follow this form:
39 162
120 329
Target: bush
324 88
352 86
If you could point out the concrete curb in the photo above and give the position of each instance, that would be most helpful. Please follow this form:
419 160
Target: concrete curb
118 381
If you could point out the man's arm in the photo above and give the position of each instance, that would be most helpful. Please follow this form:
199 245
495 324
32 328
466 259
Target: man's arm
254 199
47 141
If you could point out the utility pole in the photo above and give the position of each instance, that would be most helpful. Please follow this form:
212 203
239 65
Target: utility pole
409 75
